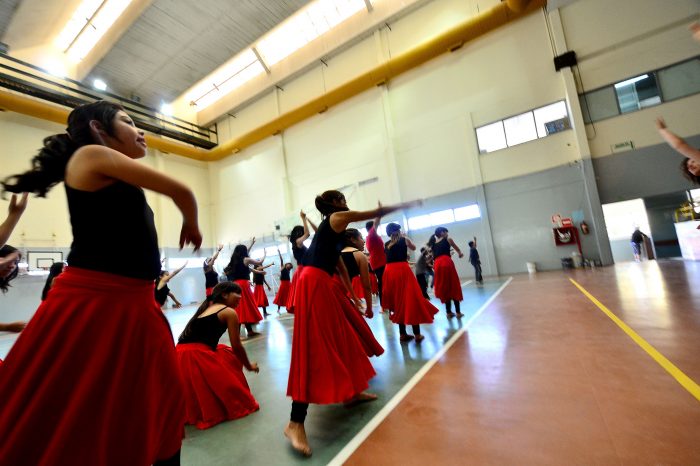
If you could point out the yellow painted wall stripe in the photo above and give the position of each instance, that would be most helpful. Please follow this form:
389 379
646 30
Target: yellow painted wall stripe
687 383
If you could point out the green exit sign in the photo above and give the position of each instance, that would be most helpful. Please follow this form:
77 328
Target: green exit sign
622 146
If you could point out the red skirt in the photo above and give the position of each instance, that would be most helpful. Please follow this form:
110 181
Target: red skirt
329 362
357 286
215 388
447 285
247 309
373 283
402 295
94 377
260 296
282 295
292 288
357 320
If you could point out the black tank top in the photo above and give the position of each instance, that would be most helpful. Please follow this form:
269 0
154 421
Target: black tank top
211 278
206 330
240 272
298 253
350 263
284 274
398 252
325 248
258 278
162 294
107 218
441 248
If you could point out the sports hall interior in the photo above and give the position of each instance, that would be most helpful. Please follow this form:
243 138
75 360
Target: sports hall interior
516 122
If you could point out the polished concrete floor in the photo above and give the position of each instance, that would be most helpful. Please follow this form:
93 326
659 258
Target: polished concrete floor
545 377
536 373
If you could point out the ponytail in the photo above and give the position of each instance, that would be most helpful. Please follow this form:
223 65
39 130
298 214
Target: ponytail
49 165
217 296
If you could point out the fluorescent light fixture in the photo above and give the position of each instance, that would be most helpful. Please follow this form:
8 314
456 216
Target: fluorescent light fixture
166 109
630 81
228 77
307 24
419 222
99 85
467 212
91 20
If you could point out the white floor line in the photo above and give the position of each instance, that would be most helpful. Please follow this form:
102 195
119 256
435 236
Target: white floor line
467 282
362 435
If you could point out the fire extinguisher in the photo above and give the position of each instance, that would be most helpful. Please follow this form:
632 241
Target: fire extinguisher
584 228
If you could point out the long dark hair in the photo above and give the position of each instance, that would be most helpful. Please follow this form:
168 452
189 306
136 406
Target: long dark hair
438 231
49 165
325 203
216 297
5 251
296 233
55 270
240 252
695 179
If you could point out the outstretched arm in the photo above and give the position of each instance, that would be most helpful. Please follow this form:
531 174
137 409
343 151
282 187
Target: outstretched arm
230 318
175 272
178 304
101 161
213 258
339 220
677 143
300 240
14 213
14 327
452 243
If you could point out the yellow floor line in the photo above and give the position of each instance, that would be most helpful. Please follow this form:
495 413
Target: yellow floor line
685 381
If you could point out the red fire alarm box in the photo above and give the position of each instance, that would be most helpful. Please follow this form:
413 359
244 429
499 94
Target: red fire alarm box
567 236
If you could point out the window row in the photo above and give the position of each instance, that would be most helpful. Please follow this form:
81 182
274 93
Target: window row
528 126
646 90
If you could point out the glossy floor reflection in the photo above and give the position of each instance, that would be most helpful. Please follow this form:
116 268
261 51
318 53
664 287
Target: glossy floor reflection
258 439
544 377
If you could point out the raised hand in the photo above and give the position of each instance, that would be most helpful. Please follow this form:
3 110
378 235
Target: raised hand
254 367
660 123
190 234
17 207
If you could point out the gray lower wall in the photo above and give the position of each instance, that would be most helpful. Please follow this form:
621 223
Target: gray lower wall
520 211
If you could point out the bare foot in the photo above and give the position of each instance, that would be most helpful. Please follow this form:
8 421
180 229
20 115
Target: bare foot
459 314
296 434
419 338
253 334
363 397
406 337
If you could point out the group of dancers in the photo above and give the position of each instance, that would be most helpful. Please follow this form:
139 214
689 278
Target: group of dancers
95 376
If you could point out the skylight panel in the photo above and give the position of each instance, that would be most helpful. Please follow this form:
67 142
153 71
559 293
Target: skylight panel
91 20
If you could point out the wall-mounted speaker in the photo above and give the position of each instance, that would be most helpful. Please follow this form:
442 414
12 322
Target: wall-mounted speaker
565 60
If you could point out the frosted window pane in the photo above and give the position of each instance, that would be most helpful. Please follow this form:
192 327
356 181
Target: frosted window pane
520 128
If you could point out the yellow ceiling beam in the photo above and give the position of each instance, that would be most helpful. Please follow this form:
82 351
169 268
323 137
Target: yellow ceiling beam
449 40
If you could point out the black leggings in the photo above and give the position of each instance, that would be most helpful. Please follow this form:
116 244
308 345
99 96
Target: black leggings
298 412
249 328
402 329
448 306
379 272
423 283
172 461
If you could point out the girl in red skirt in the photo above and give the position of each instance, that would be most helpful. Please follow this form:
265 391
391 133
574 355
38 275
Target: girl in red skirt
211 277
357 266
215 388
238 270
297 236
447 287
282 295
162 291
259 290
94 375
330 362
401 292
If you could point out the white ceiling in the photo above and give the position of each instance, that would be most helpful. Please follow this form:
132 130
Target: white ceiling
175 43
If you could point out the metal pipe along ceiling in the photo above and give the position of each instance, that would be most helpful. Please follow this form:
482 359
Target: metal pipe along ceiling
450 40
